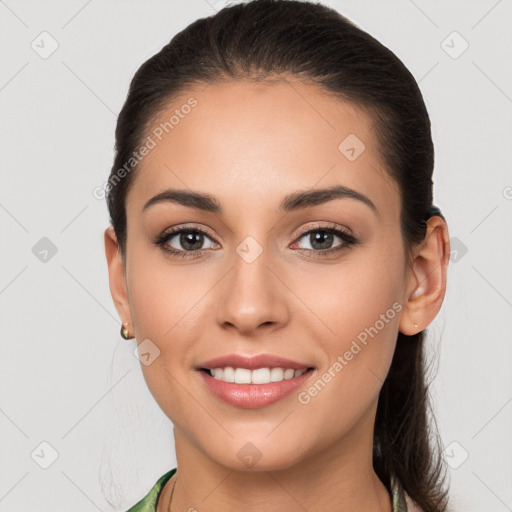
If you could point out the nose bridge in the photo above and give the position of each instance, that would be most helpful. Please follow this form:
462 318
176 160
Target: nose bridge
252 295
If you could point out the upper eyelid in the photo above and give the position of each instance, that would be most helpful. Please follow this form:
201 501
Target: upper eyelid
173 231
320 227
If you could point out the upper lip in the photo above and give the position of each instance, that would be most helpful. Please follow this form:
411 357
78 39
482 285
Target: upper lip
252 363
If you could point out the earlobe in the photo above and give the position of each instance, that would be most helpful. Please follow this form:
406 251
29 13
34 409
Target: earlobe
427 282
117 278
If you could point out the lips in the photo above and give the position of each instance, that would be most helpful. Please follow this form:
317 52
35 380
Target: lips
253 396
253 363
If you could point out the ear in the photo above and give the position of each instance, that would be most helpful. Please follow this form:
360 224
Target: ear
427 278
117 278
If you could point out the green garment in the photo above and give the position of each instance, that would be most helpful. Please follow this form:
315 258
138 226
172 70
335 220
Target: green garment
148 503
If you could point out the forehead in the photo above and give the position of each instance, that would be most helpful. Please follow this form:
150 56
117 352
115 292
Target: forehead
264 138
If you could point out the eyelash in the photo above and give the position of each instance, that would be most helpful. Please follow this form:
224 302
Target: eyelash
348 239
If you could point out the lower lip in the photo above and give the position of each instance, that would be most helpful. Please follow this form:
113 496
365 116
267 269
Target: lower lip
252 396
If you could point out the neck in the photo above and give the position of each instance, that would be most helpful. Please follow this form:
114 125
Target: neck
339 477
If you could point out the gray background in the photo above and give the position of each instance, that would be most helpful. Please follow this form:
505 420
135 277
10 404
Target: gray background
69 380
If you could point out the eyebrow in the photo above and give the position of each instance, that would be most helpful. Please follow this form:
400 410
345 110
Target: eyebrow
292 202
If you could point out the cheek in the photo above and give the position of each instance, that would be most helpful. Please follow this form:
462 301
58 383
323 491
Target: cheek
162 295
357 293
359 310
167 305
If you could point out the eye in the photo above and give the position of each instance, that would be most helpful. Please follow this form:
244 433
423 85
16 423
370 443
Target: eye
187 242
321 238
183 242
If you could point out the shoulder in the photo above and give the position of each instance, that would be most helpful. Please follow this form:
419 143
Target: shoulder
148 502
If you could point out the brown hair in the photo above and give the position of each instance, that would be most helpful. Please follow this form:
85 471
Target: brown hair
264 38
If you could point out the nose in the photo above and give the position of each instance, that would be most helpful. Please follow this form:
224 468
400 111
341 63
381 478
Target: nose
252 297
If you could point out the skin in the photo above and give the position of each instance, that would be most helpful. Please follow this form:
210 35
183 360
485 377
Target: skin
250 145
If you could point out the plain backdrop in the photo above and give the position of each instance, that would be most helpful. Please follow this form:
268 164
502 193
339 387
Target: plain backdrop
77 421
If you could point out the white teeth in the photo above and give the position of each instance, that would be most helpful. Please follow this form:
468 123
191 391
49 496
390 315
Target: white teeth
276 374
242 376
228 375
258 376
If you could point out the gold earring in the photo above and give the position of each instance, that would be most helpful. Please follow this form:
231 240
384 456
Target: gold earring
124 331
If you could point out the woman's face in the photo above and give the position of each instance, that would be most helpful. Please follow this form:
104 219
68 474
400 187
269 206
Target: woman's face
257 281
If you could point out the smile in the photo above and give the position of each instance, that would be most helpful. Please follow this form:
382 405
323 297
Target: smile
251 389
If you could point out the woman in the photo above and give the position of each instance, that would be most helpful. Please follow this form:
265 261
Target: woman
276 254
